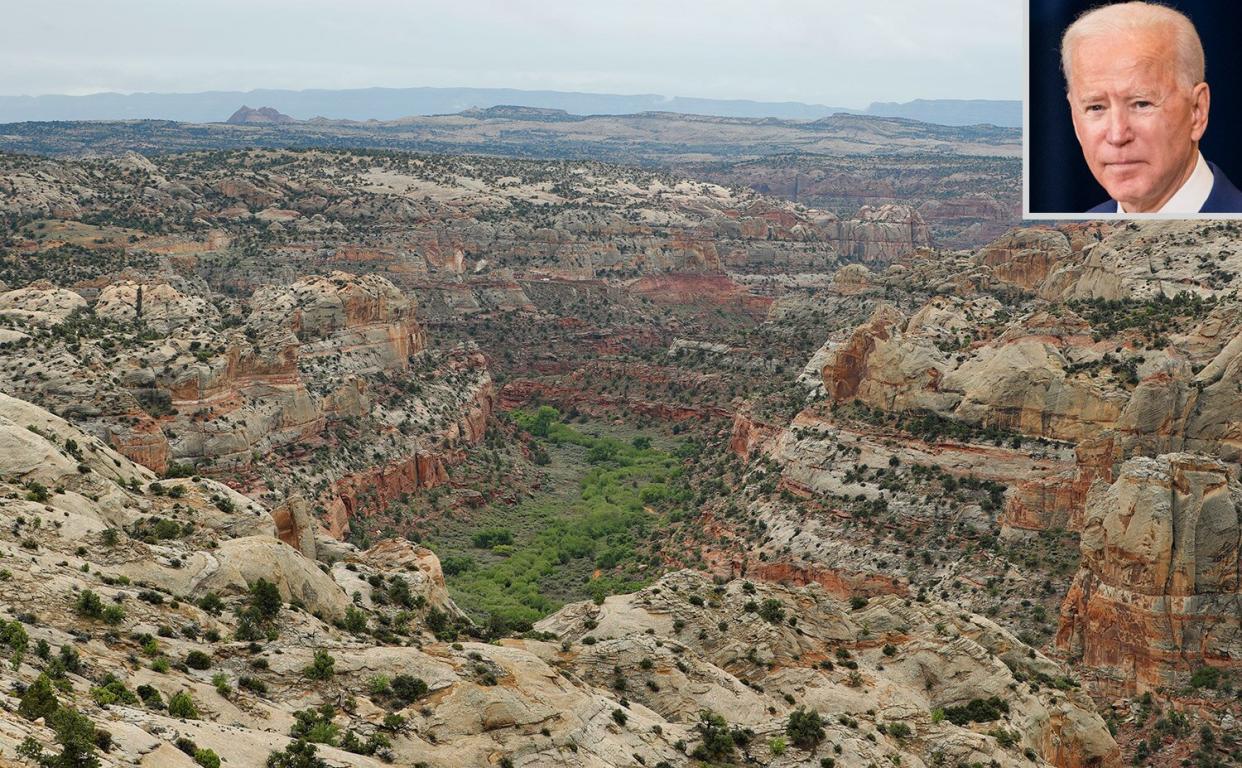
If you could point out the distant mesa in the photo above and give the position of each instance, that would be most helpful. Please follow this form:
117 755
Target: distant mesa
513 112
246 115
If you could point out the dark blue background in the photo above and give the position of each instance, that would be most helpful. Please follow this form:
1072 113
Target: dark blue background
1059 179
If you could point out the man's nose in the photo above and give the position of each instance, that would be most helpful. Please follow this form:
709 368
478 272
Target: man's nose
1119 130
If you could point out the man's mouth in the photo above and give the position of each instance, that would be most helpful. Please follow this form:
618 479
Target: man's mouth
1122 165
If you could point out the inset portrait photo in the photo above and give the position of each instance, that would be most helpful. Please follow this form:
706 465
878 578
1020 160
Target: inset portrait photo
1133 109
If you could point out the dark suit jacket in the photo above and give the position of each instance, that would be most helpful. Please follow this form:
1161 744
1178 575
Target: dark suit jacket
1225 197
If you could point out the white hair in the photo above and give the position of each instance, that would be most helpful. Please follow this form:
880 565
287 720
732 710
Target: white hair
1121 18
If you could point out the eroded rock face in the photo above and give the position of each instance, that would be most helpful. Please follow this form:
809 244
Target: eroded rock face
1158 590
882 234
1023 386
295 525
685 289
358 316
1025 257
241 562
1018 381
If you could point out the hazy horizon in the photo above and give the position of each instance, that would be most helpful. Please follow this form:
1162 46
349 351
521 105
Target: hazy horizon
824 52
260 91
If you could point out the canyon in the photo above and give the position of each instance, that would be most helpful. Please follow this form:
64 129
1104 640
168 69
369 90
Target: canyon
616 461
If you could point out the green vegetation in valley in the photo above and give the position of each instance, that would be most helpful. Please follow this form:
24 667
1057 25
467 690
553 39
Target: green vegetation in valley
510 567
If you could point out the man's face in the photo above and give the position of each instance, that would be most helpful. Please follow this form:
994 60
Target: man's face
1139 127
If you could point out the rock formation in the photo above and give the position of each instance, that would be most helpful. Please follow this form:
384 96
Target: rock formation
1158 592
245 115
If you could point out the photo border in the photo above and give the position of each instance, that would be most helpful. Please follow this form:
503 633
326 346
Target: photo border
1027 215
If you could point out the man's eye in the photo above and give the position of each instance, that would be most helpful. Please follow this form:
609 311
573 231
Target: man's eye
1095 108
1142 104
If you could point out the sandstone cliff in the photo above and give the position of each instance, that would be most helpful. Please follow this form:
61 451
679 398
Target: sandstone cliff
1158 592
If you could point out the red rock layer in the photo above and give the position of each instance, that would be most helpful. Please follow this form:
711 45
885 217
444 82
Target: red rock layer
1025 257
1056 501
143 443
839 583
699 290
749 435
376 488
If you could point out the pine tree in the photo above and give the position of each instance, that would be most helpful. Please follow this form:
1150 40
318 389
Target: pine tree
39 700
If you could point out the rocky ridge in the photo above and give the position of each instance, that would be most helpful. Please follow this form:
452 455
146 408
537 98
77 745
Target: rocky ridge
156 373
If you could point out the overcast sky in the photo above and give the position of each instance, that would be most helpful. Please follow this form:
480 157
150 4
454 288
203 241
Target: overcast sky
844 53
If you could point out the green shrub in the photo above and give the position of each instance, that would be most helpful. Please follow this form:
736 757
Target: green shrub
1205 677
197 660
805 729
253 684
718 744
407 689
221 683
150 697
977 711
89 605
112 691
299 754
211 603
76 735
181 705
265 599
315 725
490 537
206 758
772 611
355 620
322 667
379 685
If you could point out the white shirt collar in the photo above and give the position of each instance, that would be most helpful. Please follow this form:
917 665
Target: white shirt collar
1192 194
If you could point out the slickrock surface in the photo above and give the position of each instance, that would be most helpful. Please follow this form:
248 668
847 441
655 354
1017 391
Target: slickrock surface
727 657
40 303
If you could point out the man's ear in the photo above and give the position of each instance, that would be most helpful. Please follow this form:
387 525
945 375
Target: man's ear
1201 100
